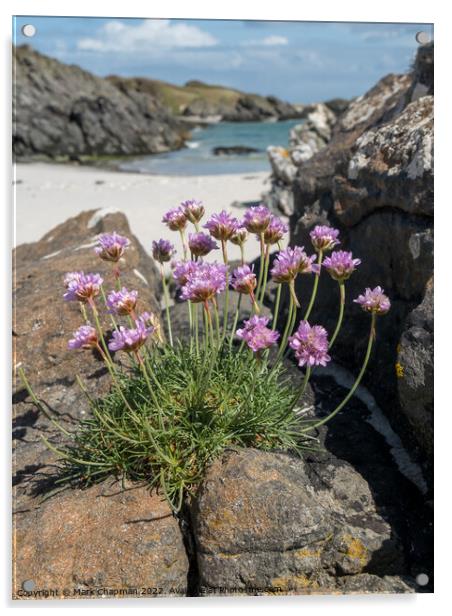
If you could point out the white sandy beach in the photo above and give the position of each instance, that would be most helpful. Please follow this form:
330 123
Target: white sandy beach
46 195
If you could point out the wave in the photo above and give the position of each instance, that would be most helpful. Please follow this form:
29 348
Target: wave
192 144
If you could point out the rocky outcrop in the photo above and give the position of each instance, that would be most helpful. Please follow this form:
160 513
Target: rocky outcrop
305 140
60 110
42 325
242 108
415 372
227 150
106 541
269 523
374 181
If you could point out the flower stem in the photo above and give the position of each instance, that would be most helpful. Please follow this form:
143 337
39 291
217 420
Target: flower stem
112 318
314 288
111 370
261 266
341 313
99 331
148 383
166 295
283 344
355 384
242 253
236 320
217 321
264 280
226 297
196 329
277 303
184 243
304 384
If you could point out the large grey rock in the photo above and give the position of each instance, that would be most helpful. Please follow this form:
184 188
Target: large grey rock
60 110
103 541
374 182
415 363
267 521
43 323
305 140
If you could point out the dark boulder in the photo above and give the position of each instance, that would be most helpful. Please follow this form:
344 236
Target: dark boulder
265 523
374 182
60 110
228 150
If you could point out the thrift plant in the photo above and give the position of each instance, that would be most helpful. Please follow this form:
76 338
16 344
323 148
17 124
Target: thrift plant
174 405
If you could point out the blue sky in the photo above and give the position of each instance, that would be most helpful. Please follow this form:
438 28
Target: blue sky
297 61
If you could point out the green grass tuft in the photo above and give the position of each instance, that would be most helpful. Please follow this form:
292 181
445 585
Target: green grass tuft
207 402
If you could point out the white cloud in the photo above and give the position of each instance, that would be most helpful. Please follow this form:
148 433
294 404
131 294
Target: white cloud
269 41
146 36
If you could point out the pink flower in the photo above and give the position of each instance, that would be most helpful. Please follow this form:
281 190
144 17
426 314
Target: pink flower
243 280
324 238
240 236
85 337
71 277
194 210
290 262
122 302
257 219
222 226
341 265
176 219
257 335
310 345
162 250
205 282
83 287
182 271
275 231
201 244
111 246
130 339
374 300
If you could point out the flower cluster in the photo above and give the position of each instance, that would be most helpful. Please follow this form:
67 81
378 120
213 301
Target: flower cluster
82 287
111 246
275 231
324 238
291 262
257 219
85 337
222 226
176 218
201 244
257 335
194 210
228 383
204 282
374 300
244 280
122 302
310 345
162 250
341 265
130 339
201 282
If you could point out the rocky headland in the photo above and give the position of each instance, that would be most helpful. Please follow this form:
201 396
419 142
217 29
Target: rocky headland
368 171
62 112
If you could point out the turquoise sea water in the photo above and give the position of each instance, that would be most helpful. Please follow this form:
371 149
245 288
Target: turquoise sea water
197 157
